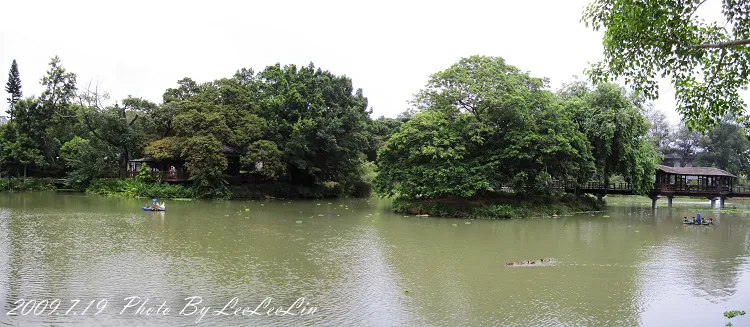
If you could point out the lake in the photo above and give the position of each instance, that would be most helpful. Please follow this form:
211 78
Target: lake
73 259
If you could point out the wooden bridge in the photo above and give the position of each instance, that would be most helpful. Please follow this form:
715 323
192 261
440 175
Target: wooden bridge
712 183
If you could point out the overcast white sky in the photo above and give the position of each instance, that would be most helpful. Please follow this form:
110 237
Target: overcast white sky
388 48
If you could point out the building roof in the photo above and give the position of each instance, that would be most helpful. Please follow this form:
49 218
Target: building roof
694 171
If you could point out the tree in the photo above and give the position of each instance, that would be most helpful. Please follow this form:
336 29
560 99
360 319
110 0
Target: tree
13 86
54 118
433 155
23 137
686 142
114 125
726 147
661 131
380 131
17 149
484 125
87 160
206 162
60 88
264 157
316 118
708 62
617 131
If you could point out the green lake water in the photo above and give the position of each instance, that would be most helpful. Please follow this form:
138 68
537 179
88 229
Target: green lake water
357 264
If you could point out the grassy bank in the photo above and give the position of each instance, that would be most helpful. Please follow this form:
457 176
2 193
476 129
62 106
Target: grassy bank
499 207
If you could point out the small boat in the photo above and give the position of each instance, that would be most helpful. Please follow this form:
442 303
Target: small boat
150 209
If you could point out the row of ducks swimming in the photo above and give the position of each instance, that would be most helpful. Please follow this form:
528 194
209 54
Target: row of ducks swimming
527 262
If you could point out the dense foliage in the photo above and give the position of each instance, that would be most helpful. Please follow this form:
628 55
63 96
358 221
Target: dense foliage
485 126
708 61
724 146
479 127
298 126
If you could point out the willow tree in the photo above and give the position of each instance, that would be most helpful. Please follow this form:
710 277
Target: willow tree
707 61
617 131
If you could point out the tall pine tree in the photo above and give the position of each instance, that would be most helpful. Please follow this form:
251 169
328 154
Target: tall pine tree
14 85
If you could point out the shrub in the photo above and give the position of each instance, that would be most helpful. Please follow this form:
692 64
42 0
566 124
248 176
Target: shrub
26 184
139 188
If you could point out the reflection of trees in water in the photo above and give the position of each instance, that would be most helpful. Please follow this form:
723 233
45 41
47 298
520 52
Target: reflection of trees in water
696 261
6 294
463 281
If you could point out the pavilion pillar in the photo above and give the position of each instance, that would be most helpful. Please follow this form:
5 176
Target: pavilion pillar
713 202
669 201
653 202
721 202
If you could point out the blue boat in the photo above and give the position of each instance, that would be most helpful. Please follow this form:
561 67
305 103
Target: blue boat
692 223
154 203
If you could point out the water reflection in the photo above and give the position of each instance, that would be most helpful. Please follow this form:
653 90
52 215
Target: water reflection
361 265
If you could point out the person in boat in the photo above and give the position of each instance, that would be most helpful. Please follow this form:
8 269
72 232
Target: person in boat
710 221
685 220
155 205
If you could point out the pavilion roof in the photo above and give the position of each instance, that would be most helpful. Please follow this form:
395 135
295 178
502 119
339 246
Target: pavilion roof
694 171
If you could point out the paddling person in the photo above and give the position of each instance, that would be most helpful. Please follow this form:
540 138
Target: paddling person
710 221
685 220
154 205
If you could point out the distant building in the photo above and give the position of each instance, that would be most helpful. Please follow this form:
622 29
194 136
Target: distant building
676 160
3 119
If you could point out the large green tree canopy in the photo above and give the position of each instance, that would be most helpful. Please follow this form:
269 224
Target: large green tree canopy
484 125
296 125
708 61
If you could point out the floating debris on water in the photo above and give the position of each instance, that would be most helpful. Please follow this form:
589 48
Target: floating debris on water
468 223
454 225
532 263
299 221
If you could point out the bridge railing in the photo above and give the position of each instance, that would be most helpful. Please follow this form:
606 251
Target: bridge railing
591 186
627 187
741 189
692 188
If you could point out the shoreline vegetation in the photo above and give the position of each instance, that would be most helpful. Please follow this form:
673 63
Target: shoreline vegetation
483 139
500 206
135 188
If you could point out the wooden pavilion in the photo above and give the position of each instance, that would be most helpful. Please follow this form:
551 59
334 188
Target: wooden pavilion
710 182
